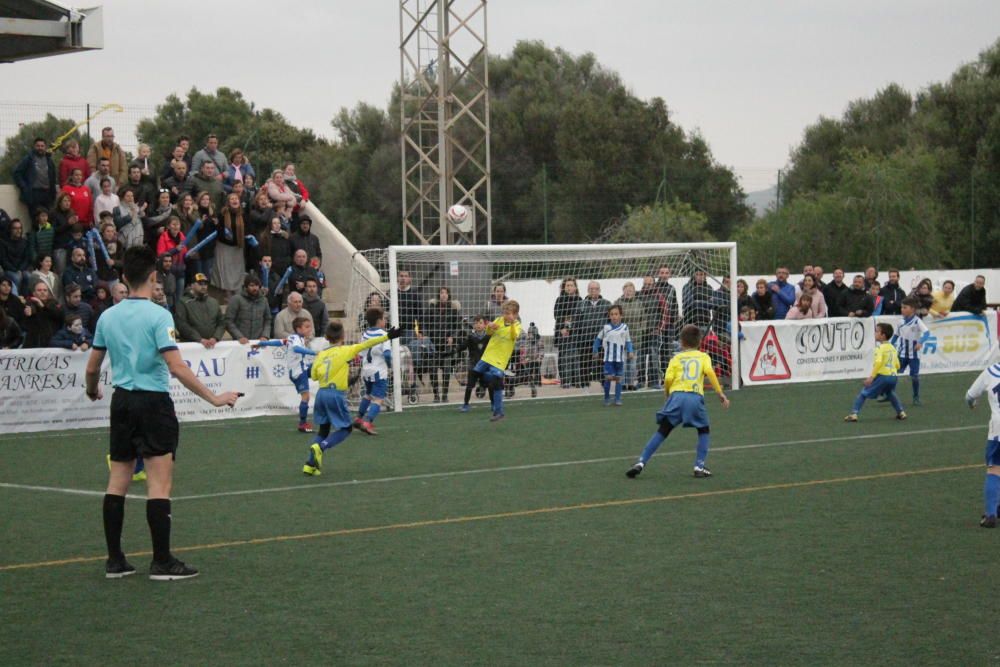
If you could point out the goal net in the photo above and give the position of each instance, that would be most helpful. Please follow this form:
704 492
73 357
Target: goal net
436 294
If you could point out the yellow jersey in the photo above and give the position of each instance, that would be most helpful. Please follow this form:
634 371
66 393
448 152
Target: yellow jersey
501 345
886 359
329 368
687 372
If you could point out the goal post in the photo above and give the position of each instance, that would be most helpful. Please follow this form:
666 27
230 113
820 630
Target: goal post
435 293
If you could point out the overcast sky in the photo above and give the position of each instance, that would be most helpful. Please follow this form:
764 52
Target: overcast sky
749 75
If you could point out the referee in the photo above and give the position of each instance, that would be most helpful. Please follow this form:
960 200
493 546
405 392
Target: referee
140 337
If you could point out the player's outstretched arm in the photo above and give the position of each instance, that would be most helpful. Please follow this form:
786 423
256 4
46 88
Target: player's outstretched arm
186 377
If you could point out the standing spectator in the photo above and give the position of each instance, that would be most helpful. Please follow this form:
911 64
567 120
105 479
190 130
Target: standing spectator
669 320
93 181
72 160
10 332
178 181
293 182
972 298
876 293
782 294
807 270
241 192
494 305
43 316
73 336
636 315
11 303
79 273
144 192
742 295
925 298
155 221
15 256
250 185
443 321
593 316
648 359
411 306
697 300
167 280
269 286
203 260
301 272
274 243
313 302
892 294
871 275
857 301
75 305
283 322
172 244
279 192
127 217
261 214
81 200
818 275
186 211
944 299
147 172
59 217
106 201
36 177
304 240
109 268
210 154
817 302
43 273
230 261
199 317
176 154
238 167
205 180
565 313
248 316
763 304
834 293
107 148
42 239
802 310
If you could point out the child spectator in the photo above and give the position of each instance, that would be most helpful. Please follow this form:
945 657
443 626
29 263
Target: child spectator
74 336
475 344
43 238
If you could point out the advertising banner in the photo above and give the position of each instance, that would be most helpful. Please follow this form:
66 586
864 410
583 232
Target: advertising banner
959 342
43 390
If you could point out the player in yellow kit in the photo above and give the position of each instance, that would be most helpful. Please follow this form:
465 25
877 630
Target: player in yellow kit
504 332
882 381
330 369
684 384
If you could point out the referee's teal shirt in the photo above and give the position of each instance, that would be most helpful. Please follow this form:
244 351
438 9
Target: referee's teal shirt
135 333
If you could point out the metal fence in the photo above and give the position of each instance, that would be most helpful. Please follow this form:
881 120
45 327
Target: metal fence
90 117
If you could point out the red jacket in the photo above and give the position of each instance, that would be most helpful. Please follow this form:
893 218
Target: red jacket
68 164
165 244
81 203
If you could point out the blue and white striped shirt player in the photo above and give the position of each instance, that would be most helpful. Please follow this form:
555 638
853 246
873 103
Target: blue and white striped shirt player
988 383
910 332
617 342
375 360
298 361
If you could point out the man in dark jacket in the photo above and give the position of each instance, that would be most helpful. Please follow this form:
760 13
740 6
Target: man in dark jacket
145 192
593 314
698 300
80 273
313 302
248 315
972 298
301 272
198 316
857 301
305 240
833 294
892 294
15 256
36 177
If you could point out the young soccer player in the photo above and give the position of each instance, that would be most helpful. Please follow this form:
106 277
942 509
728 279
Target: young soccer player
883 376
330 370
988 382
503 333
475 343
684 384
907 341
375 364
617 347
299 352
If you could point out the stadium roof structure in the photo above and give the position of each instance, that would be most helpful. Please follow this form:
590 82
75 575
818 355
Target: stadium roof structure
40 28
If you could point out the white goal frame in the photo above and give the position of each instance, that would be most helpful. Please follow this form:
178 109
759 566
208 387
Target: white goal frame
489 252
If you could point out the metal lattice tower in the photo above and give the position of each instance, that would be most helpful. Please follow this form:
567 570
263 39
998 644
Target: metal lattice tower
445 120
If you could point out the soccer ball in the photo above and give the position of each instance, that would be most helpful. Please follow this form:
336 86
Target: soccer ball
457 214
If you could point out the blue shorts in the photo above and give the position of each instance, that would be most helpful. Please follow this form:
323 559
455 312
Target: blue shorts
882 385
377 387
488 372
913 364
301 382
614 368
684 408
993 452
331 408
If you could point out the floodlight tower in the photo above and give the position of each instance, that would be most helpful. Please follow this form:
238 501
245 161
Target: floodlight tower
445 120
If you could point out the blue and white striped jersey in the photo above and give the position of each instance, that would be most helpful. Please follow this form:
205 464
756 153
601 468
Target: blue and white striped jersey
375 360
907 335
616 340
988 382
298 363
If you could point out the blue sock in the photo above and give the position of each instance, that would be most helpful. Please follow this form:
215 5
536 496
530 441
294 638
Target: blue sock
699 459
334 439
303 410
363 407
651 447
498 399
618 391
915 381
858 402
894 400
607 390
373 412
140 465
991 494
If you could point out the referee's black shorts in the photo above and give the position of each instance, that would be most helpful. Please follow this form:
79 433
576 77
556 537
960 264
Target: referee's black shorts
143 423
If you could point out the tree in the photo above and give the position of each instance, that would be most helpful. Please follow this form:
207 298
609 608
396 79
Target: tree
665 222
20 144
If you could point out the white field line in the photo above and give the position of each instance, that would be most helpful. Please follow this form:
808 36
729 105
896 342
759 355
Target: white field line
482 471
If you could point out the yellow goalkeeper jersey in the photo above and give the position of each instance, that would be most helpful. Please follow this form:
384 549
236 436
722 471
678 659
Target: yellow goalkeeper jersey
501 345
687 372
330 366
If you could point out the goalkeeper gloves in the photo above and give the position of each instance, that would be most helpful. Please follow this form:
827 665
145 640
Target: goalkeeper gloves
394 332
